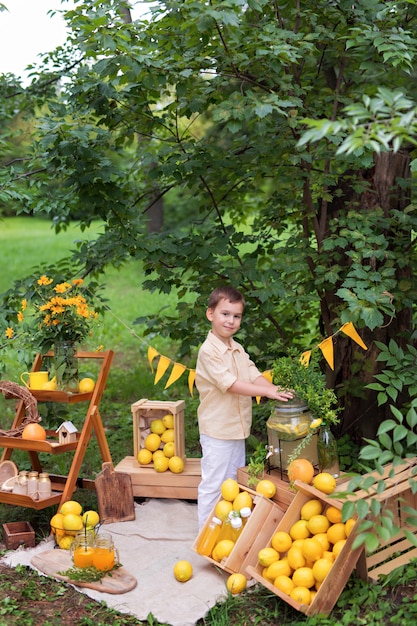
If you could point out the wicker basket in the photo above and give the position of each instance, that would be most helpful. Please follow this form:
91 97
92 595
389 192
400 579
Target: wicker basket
12 390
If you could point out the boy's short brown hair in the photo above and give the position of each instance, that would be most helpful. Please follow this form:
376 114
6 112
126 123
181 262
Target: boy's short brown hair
227 293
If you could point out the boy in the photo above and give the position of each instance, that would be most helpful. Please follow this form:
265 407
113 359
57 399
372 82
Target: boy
226 380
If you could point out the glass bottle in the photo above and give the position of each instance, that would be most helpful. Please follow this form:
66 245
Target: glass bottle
237 526
327 452
225 531
44 486
209 537
33 485
245 514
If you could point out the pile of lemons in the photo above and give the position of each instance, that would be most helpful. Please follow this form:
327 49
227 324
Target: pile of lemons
70 520
159 446
297 562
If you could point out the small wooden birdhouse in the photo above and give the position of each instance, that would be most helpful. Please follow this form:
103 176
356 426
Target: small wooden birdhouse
67 432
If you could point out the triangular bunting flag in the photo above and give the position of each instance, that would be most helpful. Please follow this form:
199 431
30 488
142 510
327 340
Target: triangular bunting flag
191 379
305 358
268 375
349 330
326 346
176 373
152 353
163 365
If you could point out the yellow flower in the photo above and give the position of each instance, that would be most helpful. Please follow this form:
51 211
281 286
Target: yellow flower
316 423
20 316
9 332
62 287
44 280
24 304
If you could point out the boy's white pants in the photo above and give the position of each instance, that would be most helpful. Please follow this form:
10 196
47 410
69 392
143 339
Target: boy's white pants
221 459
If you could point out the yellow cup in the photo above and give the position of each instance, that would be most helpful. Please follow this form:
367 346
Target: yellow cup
36 379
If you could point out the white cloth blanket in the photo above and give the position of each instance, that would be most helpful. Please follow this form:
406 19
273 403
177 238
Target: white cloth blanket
149 546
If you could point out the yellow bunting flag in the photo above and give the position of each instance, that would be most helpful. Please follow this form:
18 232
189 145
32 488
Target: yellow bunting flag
349 330
163 365
305 358
191 379
268 375
152 353
326 346
176 373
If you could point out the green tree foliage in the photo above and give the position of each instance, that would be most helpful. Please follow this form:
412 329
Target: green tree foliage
277 135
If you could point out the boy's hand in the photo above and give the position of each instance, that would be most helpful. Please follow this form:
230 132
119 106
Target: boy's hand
283 395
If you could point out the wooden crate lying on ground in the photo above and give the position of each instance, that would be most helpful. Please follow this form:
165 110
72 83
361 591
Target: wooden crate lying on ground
335 581
145 411
284 495
265 516
147 483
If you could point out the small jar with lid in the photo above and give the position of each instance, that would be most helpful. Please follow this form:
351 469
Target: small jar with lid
21 484
44 486
33 481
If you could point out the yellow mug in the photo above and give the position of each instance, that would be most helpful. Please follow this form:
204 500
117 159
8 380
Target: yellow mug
36 379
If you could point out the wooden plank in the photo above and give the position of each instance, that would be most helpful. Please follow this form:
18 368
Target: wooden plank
114 496
388 567
284 495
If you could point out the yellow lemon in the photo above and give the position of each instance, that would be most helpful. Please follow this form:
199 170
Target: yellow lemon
183 571
242 500
222 509
299 530
176 464
168 420
71 506
324 482
333 514
57 522
322 537
318 524
73 522
157 426
302 595
229 489
144 456
169 449
222 549
321 568
303 577
284 584
157 454
86 385
349 526
152 442
266 488
295 557
267 556
65 542
91 518
336 532
338 546
278 568
312 549
329 555
310 508
236 583
168 435
297 543
281 541
161 464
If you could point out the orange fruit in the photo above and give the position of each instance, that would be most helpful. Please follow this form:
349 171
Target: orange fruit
333 514
34 431
324 482
301 469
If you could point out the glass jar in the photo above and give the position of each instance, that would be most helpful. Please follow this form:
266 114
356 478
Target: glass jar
327 452
288 424
44 486
82 549
66 366
105 554
33 482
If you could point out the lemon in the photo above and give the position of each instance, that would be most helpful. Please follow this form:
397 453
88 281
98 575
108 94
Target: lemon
338 546
161 464
324 482
322 537
157 426
222 549
236 583
302 595
72 522
65 542
91 518
144 456
229 489
176 464
267 556
281 541
168 420
57 522
183 570
329 555
299 530
86 385
321 568
303 577
169 449
336 532
278 568
242 500
168 435
284 584
157 454
152 442
295 557
310 508
333 514
266 488
349 526
71 506
222 509
318 524
312 549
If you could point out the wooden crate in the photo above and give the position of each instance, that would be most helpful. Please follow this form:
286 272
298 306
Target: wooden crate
147 483
144 411
17 534
345 562
284 495
265 516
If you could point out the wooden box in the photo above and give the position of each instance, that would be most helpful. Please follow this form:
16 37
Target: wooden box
284 495
17 534
264 518
343 566
145 411
146 483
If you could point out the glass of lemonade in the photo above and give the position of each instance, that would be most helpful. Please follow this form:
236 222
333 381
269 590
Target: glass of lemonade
105 553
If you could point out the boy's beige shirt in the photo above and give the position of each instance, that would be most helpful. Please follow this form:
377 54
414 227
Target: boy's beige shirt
223 415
